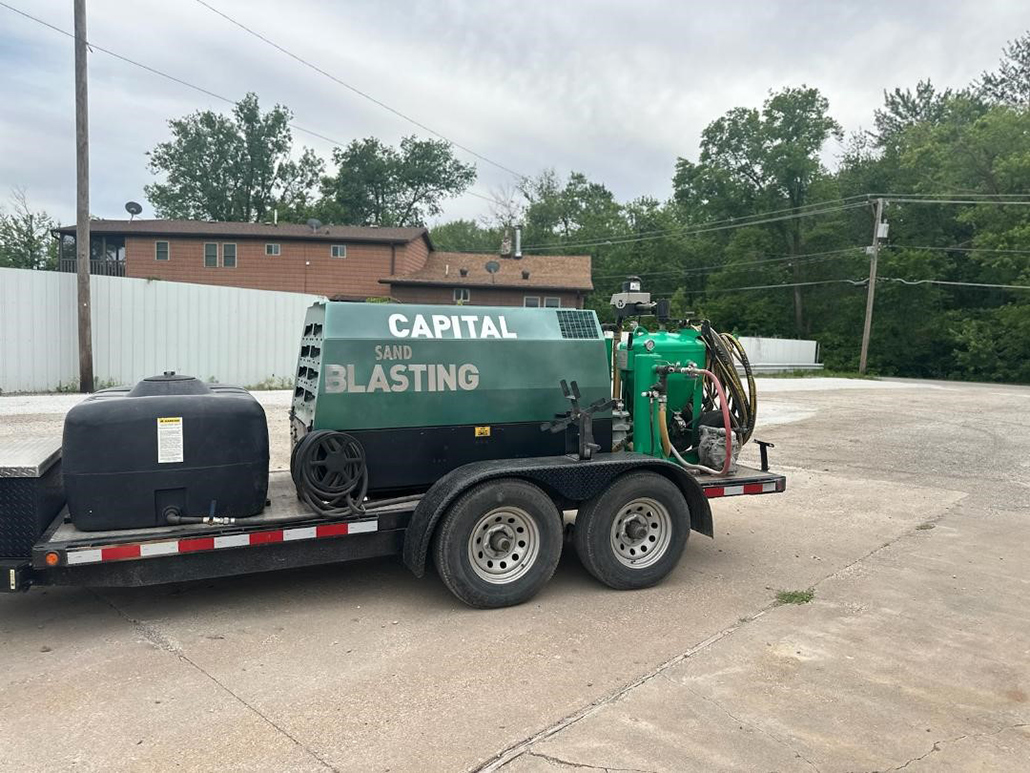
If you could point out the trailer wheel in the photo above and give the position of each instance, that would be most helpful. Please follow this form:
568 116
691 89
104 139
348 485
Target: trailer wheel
633 533
498 543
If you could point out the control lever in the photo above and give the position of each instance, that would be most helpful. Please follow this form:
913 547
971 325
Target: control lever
582 417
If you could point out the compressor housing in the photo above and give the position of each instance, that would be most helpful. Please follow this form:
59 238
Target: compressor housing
169 446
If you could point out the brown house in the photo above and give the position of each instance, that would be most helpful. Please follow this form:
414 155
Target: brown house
340 262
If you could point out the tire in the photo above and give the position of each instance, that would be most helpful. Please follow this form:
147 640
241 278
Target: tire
633 533
498 544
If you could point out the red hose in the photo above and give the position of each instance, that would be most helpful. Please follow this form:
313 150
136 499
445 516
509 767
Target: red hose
725 417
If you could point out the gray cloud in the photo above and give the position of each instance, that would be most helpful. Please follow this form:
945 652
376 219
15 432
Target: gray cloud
615 90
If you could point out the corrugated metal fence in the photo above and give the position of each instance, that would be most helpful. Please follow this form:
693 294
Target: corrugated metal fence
143 327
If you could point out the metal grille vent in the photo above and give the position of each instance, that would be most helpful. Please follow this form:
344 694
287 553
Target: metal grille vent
578 324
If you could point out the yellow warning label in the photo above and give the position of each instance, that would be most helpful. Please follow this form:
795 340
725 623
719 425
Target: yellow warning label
482 432
169 440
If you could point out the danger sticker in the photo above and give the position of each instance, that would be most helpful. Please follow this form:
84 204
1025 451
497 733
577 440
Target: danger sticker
169 440
482 432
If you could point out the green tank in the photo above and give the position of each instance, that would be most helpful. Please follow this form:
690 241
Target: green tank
425 389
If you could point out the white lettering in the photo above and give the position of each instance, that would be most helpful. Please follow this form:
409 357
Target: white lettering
468 377
420 328
335 379
378 380
505 333
352 385
446 378
455 326
471 322
440 323
489 329
417 370
400 378
395 331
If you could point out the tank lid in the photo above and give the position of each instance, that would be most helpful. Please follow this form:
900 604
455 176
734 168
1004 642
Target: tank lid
169 383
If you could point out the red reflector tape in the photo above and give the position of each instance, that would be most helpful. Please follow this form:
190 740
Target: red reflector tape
713 492
95 555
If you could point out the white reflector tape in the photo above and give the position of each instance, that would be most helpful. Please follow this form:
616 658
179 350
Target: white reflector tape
363 526
232 541
84 556
158 548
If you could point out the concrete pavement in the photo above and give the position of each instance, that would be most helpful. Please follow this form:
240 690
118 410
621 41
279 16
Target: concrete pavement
913 653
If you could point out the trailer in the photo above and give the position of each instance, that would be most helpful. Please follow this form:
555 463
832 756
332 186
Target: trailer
286 535
481 442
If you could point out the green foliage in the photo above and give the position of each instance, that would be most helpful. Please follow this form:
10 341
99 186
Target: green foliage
25 238
376 184
795 596
237 167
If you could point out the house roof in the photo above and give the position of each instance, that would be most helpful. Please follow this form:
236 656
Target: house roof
202 228
546 272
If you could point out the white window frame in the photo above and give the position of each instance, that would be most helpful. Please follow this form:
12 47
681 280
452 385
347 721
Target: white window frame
549 305
168 250
273 249
526 301
235 254
462 295
342 248
217 255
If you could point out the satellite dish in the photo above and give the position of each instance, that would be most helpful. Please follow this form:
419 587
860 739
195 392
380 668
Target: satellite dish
314 224
492 267
133 208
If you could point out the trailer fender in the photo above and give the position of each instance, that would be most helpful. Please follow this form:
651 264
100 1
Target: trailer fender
566 479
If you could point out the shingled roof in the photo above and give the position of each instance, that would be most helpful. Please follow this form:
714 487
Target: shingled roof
213 229
541 272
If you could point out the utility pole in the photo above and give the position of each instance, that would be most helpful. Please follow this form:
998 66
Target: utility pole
879 232
82 251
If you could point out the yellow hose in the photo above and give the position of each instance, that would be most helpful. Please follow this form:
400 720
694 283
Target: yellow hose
663 430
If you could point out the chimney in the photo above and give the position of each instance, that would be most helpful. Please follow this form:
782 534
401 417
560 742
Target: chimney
275 217
518 242
525 274
463 271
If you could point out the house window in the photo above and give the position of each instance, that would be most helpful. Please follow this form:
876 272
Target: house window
228 256
552 303
531 301
272 249
210 255
338 250
160 250
462 295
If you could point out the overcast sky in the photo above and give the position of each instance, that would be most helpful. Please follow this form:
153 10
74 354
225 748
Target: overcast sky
615 90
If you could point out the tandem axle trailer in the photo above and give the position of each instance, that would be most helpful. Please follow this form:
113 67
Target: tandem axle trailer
287 535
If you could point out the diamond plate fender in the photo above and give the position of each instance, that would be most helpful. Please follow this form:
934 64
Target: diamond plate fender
566 479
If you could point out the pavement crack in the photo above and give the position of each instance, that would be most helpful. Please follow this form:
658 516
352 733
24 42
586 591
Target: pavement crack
585 766
936 746
155 637
753 726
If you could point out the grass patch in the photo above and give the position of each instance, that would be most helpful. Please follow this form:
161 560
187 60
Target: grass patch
795 596
819 374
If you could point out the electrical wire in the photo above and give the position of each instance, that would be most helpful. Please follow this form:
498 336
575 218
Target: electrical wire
193 86
693 231
804 257
952 284
954 249
855 282
358 91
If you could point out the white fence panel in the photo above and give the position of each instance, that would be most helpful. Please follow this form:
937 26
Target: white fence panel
142 327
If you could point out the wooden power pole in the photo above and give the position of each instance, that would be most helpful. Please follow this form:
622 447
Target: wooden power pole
874 253
82 250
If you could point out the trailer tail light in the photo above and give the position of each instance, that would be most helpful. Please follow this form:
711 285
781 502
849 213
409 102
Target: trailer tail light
52 558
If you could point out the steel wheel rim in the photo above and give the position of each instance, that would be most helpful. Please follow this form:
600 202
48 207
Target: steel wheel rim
503 545
641 533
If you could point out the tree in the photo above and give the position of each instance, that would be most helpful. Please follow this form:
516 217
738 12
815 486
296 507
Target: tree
905 108
466 236
237 167
1010 83
376 184
754 161
25 236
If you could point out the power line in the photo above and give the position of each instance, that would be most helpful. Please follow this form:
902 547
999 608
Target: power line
187 84
358 91
923 200
954 284
806 257
855 282
693 231
956 249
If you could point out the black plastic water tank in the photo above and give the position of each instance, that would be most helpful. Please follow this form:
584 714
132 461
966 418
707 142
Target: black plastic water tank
170 444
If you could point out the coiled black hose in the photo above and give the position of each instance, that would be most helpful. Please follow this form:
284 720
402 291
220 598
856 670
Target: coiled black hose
330 474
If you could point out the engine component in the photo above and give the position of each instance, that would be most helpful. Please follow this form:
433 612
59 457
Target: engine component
170 445
711 450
